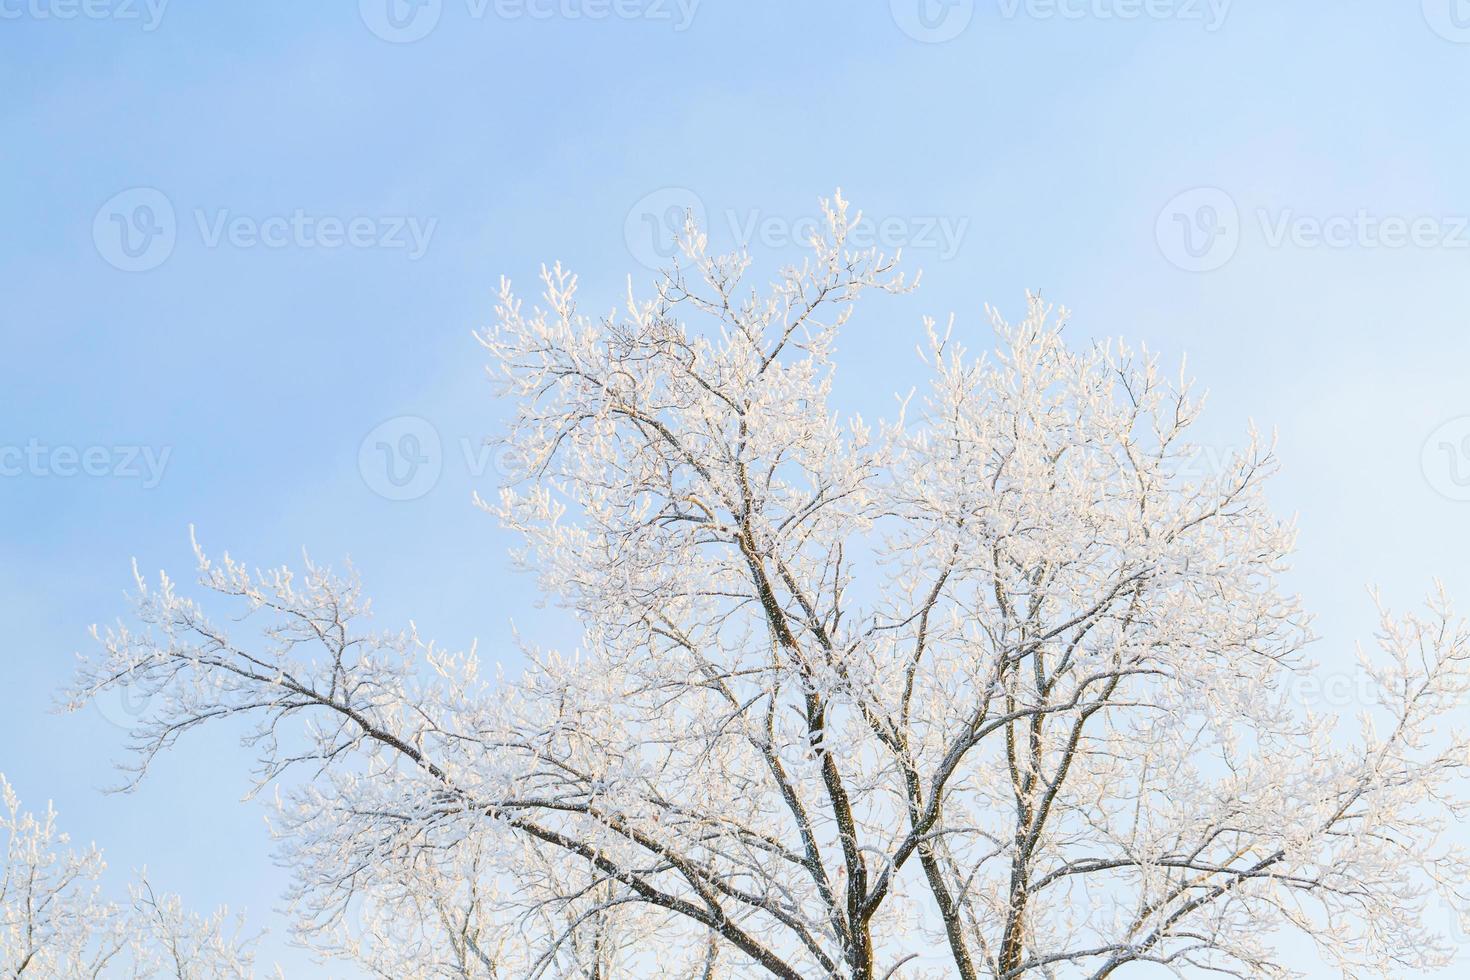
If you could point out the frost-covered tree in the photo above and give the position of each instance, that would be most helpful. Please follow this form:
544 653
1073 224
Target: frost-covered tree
997 688
54 921
449 912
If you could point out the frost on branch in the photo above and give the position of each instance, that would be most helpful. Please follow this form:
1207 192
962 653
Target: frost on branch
1003 677
52 918
54 921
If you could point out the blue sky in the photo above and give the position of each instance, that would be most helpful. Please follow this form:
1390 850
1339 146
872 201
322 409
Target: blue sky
239 238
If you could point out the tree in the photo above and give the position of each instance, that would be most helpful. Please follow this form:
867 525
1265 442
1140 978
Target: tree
1001 677
447 913
55 923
